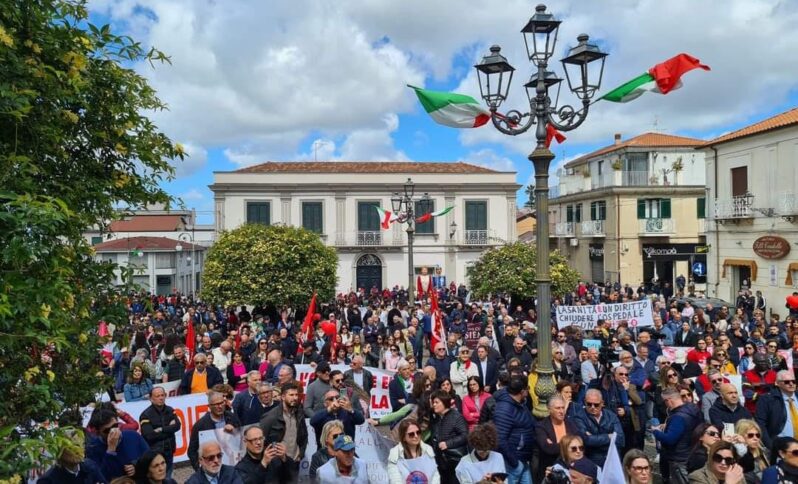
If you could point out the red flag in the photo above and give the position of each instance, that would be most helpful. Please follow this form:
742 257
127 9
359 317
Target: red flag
307 326
438 333
424 218
191 344
668 73
552 133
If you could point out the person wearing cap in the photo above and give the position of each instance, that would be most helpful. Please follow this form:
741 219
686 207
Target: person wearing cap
583 471
344 466
314 398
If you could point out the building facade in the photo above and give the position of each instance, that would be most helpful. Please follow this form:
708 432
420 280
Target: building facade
633 211
752 182
337 200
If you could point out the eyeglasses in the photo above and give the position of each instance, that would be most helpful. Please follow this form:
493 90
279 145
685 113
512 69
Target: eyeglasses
788 382
685 395
413 434
256 439
672 375
593 405
213 457
338 380
622 374
712 433
641 468
751 435
720 380
577 448
719 459
558 352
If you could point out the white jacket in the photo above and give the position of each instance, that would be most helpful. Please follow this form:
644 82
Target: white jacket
459 376
398 452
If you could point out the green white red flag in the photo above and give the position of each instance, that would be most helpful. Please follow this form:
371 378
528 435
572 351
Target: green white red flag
662 78
386 218
438 333
452 109
430 215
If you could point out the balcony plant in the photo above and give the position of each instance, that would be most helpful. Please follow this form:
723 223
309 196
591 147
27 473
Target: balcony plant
677 165
617 165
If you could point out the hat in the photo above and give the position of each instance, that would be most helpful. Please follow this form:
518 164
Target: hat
680 357
585 466
344 442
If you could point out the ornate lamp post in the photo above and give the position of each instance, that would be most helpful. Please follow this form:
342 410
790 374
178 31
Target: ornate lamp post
405 204
584 67
185 237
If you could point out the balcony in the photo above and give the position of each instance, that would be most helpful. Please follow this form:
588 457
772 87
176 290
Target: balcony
564 229
656 226
593 228
637 179
475 237
367 238
788 205
735 208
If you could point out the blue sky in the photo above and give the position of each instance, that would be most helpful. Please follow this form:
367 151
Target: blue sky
254 81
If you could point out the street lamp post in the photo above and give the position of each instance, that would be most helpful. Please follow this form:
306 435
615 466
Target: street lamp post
185 236
404 204
584 68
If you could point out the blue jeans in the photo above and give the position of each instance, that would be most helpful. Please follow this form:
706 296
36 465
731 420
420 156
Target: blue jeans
519 475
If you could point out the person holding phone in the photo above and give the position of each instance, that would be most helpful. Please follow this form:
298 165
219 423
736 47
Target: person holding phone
721 466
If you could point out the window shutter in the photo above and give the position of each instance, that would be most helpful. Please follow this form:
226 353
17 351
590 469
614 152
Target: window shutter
641 208
569 213
701 207
593 210
665 208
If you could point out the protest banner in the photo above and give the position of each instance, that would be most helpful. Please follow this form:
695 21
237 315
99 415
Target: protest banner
635 313
380 403
591 343
232 444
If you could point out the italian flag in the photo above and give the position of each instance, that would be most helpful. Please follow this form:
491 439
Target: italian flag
662 78
428 216
452 109
438 332
386 218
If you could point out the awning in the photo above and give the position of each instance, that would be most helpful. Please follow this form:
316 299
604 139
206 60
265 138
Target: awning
790 268
741 263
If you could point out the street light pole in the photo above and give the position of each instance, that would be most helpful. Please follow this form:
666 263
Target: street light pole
179 248
404 205
495 75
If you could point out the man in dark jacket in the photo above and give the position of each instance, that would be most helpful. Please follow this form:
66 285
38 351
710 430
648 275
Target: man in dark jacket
441 362
113 450
256 467
285 425
771 409
516 429
400 387
212 376
727 408
359 375
212 470
337 408
596 426
159 424
675 435
217 415
246 404
175 368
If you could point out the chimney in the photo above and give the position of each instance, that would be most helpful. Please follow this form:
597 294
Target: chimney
617 138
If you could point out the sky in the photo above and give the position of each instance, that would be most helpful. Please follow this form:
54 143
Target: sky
256 81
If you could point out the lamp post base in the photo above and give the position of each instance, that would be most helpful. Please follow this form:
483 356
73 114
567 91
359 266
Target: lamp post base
544 389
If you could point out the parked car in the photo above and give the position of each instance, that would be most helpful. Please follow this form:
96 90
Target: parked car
701 302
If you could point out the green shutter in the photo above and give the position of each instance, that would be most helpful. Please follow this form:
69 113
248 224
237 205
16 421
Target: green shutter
312 218
593 210
476 215
368 219
578 214
641 208
429 226
569 213
665 208
258 213
97 240
602 211
701 207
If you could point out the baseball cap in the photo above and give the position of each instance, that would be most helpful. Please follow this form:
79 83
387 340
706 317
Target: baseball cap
585 466
344 442
680 357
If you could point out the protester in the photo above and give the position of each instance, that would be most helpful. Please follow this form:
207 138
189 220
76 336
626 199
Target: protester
727 409
210 469
596 427
139 385
675 435
449 435
786 469
771 409
721 467
71 465
159 426
255 467
329 433
218 417
151 469
482 462
637 467
702 439
550 432
461 370
754 457
516 429
201 378
411 447
113 450
337 408
344 466
285 427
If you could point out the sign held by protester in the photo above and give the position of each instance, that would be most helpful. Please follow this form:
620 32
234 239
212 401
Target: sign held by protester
635 313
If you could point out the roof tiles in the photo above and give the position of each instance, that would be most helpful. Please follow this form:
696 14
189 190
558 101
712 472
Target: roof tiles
782 120
645 140
376 167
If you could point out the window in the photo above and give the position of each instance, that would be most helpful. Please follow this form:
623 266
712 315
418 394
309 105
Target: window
701 207
98 239
259 213
653 208
569 213
578 213
601 167
427 227
598 210
312 218
368 218
476 215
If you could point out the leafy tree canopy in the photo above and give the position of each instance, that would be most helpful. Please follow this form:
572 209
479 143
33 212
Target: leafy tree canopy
510 269
272 265
75 144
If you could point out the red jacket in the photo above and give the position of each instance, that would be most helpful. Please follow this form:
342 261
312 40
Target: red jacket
470 410
699 357
752 394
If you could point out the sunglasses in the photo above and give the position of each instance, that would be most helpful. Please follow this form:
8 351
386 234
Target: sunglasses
577 448
793 452
413 434
672 375
719 459
593 405
622 374
338 380
788 382
213 457
751 435
712 433
641 468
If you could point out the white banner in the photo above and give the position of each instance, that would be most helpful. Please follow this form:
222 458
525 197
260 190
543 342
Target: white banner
636 314
380 403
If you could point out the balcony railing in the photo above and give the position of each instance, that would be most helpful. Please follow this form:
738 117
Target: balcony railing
734 208
603 180
594 228
476 237
788 204
636 178
564 229
366 238
656 226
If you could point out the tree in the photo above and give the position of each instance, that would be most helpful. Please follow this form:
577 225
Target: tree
271 265
510 269
530 193
75 144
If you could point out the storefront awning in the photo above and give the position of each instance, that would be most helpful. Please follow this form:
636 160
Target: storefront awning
790 268
740 263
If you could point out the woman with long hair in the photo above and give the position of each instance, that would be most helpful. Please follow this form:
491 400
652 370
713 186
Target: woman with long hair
568 391
260 354
357 344
150 468
482 459
139 385
703 437
446 386
637 467
410 446
449 435
747 359
754 457
786 470
237 372
474 401
721 466
669 378
402 342
392 358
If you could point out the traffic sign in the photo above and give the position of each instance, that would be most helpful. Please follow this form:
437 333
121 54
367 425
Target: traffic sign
700 269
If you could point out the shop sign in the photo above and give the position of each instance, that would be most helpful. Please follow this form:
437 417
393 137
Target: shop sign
771 247
672 251
596 251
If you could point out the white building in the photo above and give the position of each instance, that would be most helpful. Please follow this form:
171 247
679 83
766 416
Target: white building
337 200
752 183
166 249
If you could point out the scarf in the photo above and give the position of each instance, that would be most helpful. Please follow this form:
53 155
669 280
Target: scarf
467 364
787 471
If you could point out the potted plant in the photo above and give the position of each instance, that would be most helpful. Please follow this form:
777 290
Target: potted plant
678 165
617 165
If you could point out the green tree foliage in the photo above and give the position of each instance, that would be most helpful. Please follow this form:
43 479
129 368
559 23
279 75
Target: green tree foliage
530 193
75 144
510 269
274 265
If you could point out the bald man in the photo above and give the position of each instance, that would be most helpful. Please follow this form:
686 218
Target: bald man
727 408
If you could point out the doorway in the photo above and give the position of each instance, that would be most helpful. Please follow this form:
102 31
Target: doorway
368 272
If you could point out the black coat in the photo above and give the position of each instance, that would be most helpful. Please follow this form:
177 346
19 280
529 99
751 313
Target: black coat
547 440
720 414
681 339
252 472
151 420
771 416
206 423
491 375
273 426
395 392
368 379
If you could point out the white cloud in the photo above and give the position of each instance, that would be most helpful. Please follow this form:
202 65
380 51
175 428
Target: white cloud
489 159
192 195
195 159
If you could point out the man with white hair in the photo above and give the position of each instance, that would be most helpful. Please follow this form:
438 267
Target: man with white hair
597 425
401 386
218 417
211 470
590 367
223 357
777 411
359 375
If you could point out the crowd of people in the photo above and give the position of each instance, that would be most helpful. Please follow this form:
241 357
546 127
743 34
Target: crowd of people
462 410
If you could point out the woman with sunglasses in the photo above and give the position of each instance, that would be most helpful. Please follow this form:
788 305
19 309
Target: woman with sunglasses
754 457
721 466
410 446
461 370
329 432
703 437
392 358
482 460
777 362
747 359
786 470
637 467
572 448
669 378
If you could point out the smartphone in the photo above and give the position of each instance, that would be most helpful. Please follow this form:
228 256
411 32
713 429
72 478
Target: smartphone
728 429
